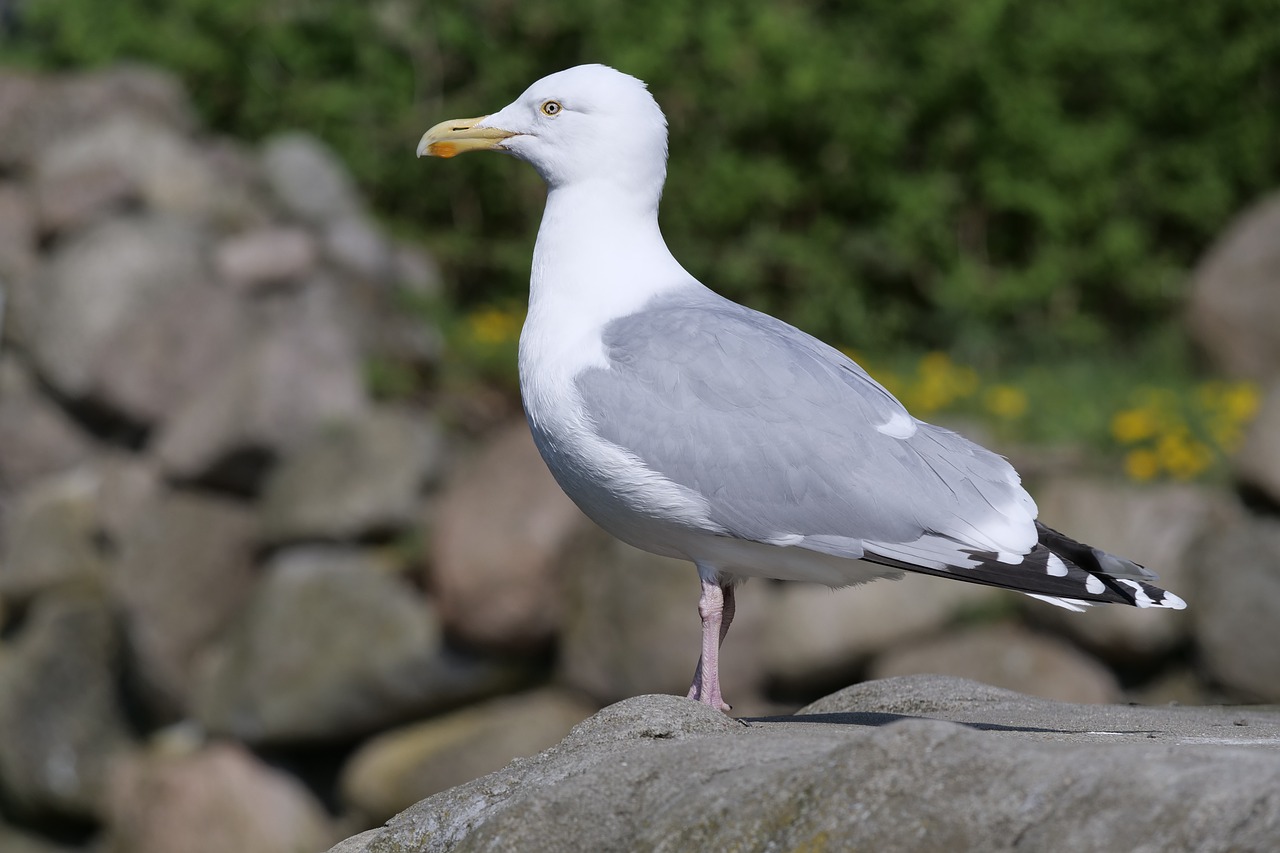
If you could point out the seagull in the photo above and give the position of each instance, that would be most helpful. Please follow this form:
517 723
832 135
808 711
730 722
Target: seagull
693 427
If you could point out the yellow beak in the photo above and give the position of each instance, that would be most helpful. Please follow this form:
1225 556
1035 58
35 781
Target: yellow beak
460 135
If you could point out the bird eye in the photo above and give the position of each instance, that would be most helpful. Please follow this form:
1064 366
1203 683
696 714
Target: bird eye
551 108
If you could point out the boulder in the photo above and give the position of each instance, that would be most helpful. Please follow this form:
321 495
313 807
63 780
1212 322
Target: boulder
1156 526
349 480
18 233
308 180
631 626
1257 464
266 257
356 246
397 768
60 707
185 568
333 645
298 371
219 799
1234 311
1005 656
924 764
51 535
815 635
1237 599
501 530
38 437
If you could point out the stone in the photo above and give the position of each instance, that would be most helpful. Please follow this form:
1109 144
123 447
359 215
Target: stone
1155 525
267 257
185 568
38 437
397 768
218 799
417 272
1237 598
58 689
924 764
1005 656
38 111
358 248
91 290
1233 312
308 179
14 840
298 371
631 626
332 645
18 233
815 635
502 526
354 479
51 535
1257 464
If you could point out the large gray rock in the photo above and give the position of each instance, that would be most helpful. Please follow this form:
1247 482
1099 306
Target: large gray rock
352 479
396 769
1005 656
1234 310
308 179
298 371
501 530
185 567
213 801
1153 525
51 535
333 645
266 257
17 233
632 626
38 437
1237 600
1257 465
60 707
88 296
925 764
815 634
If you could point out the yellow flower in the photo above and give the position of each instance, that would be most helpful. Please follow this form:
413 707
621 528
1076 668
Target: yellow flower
1005 401
1134 425
1240 402
1141 464
494 326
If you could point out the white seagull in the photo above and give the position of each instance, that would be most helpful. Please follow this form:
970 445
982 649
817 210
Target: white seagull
690 426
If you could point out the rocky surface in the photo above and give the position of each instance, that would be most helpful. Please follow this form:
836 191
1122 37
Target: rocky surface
919 763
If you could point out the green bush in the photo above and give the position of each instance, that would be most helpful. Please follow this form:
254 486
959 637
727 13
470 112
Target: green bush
995 177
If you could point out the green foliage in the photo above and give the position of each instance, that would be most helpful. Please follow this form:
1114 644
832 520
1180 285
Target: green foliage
994 177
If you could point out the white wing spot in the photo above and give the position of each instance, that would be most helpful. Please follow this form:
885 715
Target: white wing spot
1140 596
901 425
1058 569
1095 586
1009 558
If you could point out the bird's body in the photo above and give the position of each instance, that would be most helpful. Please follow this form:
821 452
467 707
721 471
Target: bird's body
693 427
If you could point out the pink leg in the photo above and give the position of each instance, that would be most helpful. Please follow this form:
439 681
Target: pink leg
716 607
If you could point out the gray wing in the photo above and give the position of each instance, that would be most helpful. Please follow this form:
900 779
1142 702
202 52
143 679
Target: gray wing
785 437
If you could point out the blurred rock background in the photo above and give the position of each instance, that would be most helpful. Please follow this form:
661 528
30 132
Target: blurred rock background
254 598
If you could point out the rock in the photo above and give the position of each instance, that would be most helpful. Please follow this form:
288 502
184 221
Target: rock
632 626
1257 465
1154 525
814 635
38 438
58 688
353 479
13 840
122 160
298 371
185 568
358 248
502 527
37 111
219 799
308 179
416 272
332 645
863 770
1009 657
266 257
1237 598
89 294
1233 313
51 535
17 233
396 769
